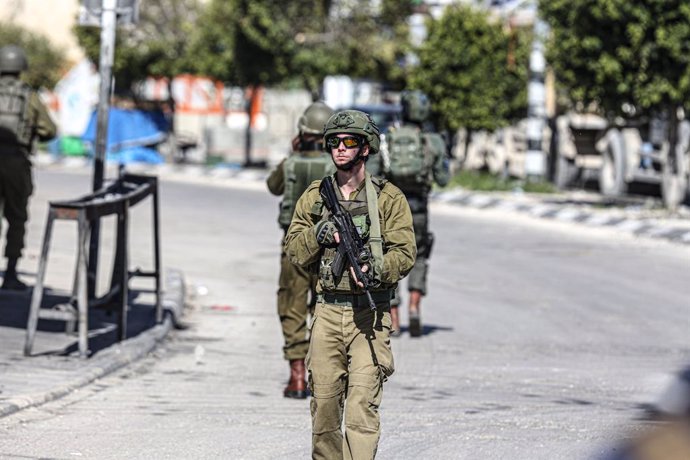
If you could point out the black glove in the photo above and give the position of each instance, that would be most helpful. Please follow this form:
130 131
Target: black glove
325 231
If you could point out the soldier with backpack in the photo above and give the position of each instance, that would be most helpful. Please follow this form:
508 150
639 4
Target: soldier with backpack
307 163
413 161
23 117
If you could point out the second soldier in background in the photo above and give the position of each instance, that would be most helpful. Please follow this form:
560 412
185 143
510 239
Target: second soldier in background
307 163
413 160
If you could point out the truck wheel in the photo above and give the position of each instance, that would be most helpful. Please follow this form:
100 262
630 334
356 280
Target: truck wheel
566 172
674 176
612 173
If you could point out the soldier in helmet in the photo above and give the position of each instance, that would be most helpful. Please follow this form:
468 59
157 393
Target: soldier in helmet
349 354
23 117
414 161
307 163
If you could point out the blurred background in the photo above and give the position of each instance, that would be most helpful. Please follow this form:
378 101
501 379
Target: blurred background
552 94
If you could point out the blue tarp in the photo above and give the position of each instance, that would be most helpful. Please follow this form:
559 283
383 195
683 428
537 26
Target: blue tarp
131 135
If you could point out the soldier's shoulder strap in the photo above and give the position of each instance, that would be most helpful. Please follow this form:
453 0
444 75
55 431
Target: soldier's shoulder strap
375 238
379 183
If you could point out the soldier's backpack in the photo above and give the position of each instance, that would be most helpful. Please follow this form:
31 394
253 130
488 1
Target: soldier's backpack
409 161
15 128
300 170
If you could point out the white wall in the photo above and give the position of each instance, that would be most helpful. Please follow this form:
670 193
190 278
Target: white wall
52 18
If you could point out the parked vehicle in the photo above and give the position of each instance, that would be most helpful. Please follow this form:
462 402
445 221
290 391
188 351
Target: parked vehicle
635 152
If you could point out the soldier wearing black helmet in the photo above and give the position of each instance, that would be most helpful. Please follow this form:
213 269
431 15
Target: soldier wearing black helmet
413 161
307 163
23 118
350 356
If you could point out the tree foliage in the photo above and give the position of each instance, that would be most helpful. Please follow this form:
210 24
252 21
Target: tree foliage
46 62
212 41
474 71
158 45
272 42
260 42
611 52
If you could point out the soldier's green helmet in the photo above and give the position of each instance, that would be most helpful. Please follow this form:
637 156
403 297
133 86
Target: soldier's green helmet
12 59
415 106
354 122
314 118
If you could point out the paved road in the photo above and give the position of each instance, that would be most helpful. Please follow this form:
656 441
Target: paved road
542 340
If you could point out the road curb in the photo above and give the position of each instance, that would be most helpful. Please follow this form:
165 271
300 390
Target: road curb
110 360
174 295
636 227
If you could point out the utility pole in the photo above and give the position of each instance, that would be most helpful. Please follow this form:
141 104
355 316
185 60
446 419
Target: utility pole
104 14
105 68
535 158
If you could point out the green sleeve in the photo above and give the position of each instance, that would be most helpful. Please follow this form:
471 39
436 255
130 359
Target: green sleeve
399 247
301 246
276 180
440 169
44 127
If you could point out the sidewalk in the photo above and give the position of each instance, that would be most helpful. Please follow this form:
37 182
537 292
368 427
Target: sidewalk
640 216
54 369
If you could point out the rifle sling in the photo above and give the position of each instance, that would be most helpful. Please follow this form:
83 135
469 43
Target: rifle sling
375 240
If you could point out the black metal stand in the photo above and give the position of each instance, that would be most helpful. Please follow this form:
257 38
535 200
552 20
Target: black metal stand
115 199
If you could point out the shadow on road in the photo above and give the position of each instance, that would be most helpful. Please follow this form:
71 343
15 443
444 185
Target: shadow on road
427 329
14 314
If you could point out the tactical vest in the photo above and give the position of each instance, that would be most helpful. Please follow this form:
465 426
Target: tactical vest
301 169
409 159
358 209
15 126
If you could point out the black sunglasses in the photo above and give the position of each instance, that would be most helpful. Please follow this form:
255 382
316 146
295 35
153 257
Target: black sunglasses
349 142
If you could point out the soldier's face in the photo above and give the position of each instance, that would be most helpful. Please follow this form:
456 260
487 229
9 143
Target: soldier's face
342 155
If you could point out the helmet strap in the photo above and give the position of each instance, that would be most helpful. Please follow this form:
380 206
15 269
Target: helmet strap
351 164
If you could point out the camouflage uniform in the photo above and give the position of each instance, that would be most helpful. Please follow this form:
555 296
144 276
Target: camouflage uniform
349 352
296 285
418 199
16 185
416 108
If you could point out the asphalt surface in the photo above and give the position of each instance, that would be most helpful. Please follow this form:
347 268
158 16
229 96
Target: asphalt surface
543 337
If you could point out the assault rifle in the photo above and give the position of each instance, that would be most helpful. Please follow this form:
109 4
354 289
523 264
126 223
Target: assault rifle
351 248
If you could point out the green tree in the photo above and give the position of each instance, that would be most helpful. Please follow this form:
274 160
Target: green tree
212 41
46 62
372 42
158 45
519 49
611 52
465 69
269 42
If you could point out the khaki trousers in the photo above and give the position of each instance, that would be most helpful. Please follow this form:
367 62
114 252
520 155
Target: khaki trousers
349 359
294 287
416 280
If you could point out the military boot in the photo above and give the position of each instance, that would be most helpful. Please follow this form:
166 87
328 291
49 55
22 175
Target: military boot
11 281
297 385
415 318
